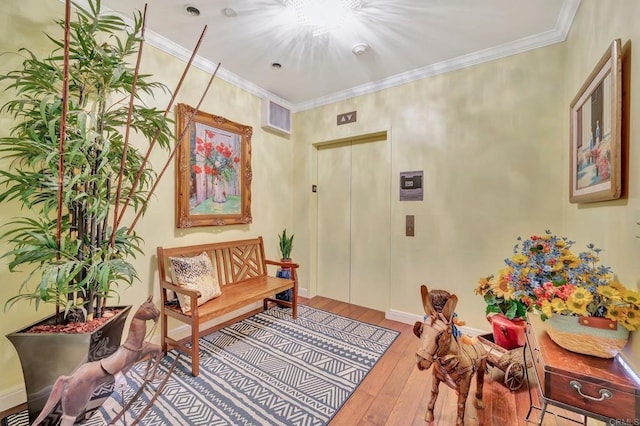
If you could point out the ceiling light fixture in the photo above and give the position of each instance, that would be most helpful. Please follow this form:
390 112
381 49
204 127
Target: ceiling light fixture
192 10
322 16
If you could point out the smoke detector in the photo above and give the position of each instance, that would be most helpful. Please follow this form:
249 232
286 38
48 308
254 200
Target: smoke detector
360 48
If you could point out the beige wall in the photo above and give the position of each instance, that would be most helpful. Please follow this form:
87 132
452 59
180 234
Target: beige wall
609 225
22 23
490 141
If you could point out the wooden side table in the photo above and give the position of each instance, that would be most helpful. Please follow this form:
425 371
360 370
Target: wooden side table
604 389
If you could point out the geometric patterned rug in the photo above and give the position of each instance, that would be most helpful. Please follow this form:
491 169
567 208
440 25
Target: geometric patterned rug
267 369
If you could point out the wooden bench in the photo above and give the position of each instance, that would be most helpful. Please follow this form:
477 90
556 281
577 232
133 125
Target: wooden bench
241 269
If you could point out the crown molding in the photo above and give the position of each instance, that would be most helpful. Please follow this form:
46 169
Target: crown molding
557 35
164 44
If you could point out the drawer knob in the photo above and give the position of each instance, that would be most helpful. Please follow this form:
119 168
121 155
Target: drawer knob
604 393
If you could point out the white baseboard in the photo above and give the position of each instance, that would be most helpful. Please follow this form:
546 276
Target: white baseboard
303 292
12 397
407 318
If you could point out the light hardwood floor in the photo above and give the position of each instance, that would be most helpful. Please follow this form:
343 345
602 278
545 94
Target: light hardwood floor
395 392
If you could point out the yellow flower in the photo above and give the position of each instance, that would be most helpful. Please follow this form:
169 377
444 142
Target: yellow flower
631 296
577 307
632 321
616 313
546 308
520 259
581 295
483 285
558 266
609 292
561 243
501 287
617 286
558 305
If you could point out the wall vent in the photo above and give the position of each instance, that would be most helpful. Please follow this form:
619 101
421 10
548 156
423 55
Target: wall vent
275 118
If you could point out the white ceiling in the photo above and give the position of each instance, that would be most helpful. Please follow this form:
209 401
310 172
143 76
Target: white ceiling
408 39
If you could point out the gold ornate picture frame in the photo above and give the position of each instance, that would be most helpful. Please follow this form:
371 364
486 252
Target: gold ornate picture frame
213 170
596 128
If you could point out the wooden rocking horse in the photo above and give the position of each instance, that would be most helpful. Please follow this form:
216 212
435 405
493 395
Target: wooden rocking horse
75 391
454 362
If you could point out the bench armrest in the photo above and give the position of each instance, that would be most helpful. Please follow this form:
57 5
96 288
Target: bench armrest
282 264
179 289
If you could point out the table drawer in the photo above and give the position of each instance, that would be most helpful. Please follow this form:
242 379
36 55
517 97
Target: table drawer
592 397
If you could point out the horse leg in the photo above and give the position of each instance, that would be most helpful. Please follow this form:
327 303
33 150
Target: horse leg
479 383
155 356
434 395
54 397
463 392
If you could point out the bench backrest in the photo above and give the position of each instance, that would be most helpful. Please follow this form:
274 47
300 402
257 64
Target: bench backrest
233 261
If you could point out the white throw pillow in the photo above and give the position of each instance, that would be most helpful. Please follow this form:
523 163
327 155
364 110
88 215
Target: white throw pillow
195 273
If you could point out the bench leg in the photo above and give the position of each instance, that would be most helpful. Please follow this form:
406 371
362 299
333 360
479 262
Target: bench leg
164 329
195 349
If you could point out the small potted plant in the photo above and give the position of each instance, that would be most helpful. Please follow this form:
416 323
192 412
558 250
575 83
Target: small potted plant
505 313
285 246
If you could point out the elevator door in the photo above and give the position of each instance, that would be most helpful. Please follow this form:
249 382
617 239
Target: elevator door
353 222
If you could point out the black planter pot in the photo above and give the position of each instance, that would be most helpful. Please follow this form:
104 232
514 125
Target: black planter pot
46 356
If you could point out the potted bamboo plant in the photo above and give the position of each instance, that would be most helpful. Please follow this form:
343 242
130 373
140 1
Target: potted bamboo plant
74 173
285 246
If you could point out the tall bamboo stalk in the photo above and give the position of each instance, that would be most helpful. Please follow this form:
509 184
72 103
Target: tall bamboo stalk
63 129
132 97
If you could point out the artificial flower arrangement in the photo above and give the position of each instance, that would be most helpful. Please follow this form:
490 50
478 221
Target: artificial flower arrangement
545 275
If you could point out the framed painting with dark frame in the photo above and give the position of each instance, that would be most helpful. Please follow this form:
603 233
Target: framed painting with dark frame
213 170
596 125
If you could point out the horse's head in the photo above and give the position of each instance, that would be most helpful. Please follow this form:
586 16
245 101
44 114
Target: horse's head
148 311
435 332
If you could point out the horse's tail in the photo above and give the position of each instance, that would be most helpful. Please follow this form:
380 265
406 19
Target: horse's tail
54 397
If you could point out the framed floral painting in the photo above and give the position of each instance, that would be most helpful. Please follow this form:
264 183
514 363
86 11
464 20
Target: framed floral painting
596 126
213 170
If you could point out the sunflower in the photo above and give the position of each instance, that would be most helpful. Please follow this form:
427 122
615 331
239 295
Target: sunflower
632 321
631 296
581 295
609 292
558 305
577 307
501 287
617 285
484 284
617 313
520 259
546 308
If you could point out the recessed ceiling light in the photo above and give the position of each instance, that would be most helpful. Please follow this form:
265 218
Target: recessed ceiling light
192 10
229 12
360 48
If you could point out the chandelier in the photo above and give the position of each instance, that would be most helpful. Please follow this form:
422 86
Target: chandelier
322 16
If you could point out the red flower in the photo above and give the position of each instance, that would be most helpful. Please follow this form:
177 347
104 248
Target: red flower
207 169
236 160
196 169
199 141
209 133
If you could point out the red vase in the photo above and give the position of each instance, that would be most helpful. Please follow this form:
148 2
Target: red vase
507 333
